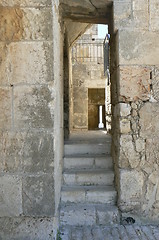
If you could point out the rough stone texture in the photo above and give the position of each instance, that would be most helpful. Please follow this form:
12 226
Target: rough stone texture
131 186
28 152
134 78
124 232
33 107
125 109
26 66
25 3
134 83
38 195
26 120
5 106
35 58
149 118
17 24
10 196
27 228
155 83
136 48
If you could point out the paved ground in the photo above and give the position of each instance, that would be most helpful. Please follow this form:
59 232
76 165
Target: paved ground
129 232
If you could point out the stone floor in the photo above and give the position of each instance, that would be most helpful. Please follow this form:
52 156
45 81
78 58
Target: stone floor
119 232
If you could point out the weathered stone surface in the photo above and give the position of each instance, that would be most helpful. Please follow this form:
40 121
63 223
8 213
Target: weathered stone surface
140 145
125 109
80 107
141 5
131 14
25 3
134 83
5 106
115 232
11 27
10 196
149 120
33 107
128 155
137 48
25 24
154 15
155 83
23 228
35 63
125 126
29 152
131 184
152 153
38 195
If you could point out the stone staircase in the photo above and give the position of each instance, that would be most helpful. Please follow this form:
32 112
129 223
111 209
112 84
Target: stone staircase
88 196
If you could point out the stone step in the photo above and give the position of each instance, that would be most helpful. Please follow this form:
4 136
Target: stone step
98 161
88 177
86 148
88 194
88 214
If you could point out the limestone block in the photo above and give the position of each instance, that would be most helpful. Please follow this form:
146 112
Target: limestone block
137 48
131 184
80 93
122 13
140 5
38 195
37 24
33 107
29 152
10 149
131 15
154 15
80 106
79 73
155 83
10 196
80 121
4 65
134 83
149 120
24 3
29 24
125 126
27 228
140 145
125 109
29 62
115 86
154 177
128 155
152 151
5 107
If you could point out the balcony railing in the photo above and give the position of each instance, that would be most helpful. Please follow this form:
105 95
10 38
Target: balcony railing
88 51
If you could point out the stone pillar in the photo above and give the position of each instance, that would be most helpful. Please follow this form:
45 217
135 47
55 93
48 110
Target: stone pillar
135 108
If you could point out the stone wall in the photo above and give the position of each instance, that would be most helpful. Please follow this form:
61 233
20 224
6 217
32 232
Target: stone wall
31 105
134 76
85 76
27 100
87 72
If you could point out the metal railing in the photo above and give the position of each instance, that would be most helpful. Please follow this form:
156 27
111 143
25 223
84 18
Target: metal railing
88 51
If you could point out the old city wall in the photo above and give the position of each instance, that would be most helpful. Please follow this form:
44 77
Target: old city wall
30 168
135 88
31 106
